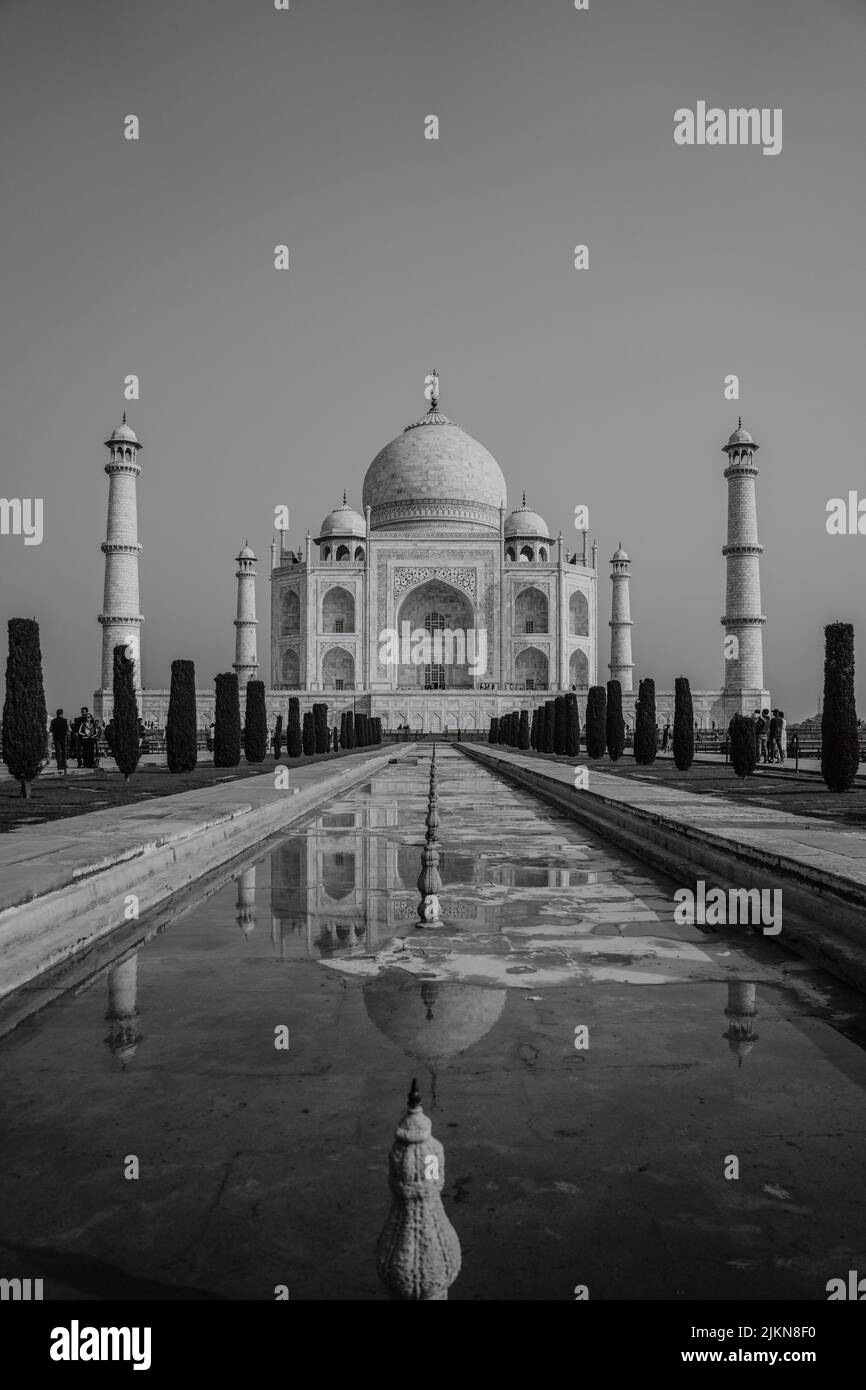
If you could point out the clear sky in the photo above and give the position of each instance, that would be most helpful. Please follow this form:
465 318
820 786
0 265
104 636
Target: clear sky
602 386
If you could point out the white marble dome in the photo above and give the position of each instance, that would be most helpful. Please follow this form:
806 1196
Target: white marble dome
124 434
740 436
343 521
434 472
525 522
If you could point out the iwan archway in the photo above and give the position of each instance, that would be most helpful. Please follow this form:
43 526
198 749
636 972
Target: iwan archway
446 615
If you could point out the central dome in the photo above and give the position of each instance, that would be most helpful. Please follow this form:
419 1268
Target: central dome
434 472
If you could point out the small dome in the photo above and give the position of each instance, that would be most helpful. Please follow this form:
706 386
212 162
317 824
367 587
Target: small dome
525 522
741 436
619 553
343 521
123 434
246 553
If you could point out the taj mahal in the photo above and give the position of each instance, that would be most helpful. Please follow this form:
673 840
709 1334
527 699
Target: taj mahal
435 553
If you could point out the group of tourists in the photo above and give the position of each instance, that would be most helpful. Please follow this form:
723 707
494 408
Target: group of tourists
81 739
771 735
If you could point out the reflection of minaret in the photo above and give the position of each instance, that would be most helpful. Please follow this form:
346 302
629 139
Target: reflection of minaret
246 663
621 666
246 904
741 1011
124 1036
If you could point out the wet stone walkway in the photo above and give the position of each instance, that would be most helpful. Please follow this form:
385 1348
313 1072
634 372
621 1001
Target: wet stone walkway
589 1065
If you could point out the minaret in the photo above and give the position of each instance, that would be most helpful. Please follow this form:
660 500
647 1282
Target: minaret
246 663
745 670
120 618
621 666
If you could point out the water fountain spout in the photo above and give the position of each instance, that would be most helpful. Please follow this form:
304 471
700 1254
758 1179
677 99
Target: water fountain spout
418 1255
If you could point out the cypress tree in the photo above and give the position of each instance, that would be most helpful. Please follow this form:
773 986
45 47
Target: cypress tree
320 723
181 735
308 736
572 741
515 728
743 745
596 721
294 745
840 749
533 729
523 735
684 725
255 723
336 739
560 726
547 732
25 716
227 721
614 722
125 740
278 738
360 730
645 736
350 729
343 729
501 729
493 736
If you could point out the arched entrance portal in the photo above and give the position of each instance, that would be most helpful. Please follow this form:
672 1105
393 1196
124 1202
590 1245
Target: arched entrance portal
445 614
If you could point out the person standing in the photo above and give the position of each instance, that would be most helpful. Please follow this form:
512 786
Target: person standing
773 741
666 737
87 737
763 730
783 736
59 731
77 747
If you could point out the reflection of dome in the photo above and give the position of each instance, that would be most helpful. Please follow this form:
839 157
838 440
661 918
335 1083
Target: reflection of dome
428 1019
343 521
434 471
525 522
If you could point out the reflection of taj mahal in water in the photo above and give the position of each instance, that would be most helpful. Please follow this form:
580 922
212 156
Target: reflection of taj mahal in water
436 551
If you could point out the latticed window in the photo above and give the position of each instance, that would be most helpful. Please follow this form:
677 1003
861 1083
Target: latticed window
339 684
529 625
435 622
530 683
338 624
434 676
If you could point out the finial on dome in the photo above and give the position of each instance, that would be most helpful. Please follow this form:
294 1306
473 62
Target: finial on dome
740 423
524 497
124 417
431 389
344 497
414 1095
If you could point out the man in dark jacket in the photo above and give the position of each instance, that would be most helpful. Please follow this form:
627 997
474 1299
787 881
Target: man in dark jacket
59 731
